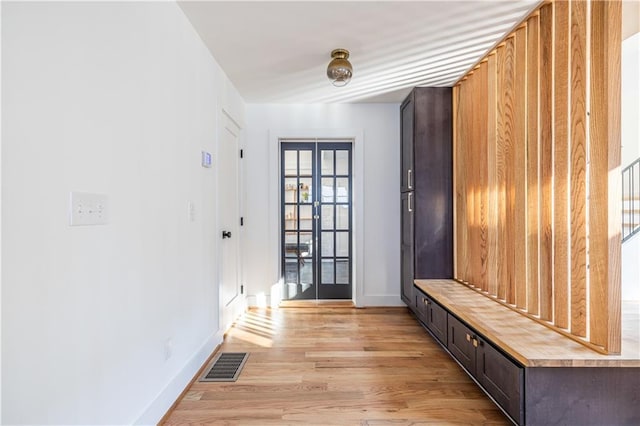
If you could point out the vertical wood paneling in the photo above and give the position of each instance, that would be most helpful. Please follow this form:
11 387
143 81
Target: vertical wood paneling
535 123
468 199
604 154
519 167
546 162
578 169
613 308
508 97
492 178
461 187
561 165
501 177
481 191
472 194
533 194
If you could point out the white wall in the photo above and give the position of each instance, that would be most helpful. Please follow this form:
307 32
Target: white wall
378 132
630 121
0 229
113 98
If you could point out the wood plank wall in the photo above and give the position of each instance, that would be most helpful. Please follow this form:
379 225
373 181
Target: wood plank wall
537 156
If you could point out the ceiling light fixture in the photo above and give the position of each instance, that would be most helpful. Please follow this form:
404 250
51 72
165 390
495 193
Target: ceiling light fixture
339 70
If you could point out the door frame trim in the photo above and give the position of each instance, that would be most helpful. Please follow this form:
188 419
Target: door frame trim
316 146
356 136
228 313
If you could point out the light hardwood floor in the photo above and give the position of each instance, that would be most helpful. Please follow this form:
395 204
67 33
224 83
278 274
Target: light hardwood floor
337 366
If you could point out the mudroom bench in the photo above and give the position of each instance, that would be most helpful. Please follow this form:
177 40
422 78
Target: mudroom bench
536 375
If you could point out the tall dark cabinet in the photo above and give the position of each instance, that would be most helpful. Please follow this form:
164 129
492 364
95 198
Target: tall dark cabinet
426 187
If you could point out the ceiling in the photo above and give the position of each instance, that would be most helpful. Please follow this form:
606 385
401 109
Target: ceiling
277 52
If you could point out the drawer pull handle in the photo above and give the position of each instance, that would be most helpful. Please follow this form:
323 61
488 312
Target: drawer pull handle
468 337
475 343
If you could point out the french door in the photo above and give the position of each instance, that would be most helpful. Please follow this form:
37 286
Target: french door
316 240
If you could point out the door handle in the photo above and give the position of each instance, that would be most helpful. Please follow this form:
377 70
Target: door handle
409 175
226 234
409 201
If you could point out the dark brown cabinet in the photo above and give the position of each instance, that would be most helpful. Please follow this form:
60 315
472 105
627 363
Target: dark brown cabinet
426 187
432 315
500 377
460 344
534 392
406 155
406 249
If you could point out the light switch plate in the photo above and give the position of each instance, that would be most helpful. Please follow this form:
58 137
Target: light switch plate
88 209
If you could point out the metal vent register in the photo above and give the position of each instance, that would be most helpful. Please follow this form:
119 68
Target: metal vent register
226 367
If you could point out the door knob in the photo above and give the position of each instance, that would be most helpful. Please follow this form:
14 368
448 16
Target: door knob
226 234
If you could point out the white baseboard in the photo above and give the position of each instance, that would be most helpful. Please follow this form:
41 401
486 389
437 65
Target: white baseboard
361 302
379 300
165 399
262 301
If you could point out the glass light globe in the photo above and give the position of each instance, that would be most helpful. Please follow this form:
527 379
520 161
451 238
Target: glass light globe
339 70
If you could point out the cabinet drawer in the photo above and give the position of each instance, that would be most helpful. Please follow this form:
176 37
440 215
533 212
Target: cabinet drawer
501 378
421 306
432 315
437 321
459 343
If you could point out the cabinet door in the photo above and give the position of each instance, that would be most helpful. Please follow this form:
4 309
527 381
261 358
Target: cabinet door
437 320
501 378
459 343
432 161
406 136
422 303
406 250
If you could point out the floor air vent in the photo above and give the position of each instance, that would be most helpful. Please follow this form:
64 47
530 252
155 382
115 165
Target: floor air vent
226 367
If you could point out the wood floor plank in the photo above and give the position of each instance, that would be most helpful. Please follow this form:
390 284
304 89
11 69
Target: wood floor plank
337 367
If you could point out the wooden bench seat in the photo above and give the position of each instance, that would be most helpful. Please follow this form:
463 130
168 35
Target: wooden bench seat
527 341
536 375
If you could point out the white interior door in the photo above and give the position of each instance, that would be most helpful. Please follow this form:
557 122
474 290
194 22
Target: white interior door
228 205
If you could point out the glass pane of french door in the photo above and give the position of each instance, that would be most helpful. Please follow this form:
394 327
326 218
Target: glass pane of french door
316 220
297 222
334 210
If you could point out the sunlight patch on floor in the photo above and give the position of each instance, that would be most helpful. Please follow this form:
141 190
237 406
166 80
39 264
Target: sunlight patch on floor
250 337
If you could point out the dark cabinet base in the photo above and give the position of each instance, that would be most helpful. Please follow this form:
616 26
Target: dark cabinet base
537 396
459 338
432 315
501 378
437 321
582 396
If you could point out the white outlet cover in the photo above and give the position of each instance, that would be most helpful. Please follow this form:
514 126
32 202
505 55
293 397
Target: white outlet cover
88 209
